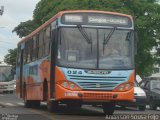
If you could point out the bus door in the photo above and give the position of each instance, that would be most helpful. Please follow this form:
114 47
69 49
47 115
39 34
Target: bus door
21 70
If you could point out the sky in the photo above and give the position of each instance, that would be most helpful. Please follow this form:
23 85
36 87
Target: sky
15 11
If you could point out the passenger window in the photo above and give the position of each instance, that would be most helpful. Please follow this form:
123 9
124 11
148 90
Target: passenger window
30 49
40 45
47 39
34 50
18 55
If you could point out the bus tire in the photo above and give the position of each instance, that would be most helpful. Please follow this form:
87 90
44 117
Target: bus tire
52 106
74 105
27 103
108 108
36 104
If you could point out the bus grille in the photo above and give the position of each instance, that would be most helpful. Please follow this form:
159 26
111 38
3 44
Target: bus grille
97 82
97 96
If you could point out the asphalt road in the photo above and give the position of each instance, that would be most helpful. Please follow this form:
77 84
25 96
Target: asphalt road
11 108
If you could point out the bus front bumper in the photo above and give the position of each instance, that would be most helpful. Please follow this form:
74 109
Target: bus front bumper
93 96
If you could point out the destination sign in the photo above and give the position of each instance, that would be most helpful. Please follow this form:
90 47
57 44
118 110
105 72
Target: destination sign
96 19
107 20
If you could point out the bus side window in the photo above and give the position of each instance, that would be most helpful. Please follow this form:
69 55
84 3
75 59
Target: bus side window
34 50
40 44
47 38
18 55
30 49
26 52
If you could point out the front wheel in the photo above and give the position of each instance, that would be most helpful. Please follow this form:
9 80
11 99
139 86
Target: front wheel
75 105
108 108
52 106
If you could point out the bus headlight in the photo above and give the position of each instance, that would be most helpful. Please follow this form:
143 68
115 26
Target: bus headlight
68 85
124 87
65 84
71 86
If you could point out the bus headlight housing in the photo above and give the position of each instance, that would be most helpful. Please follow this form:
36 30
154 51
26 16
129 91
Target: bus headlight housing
68 85
124 87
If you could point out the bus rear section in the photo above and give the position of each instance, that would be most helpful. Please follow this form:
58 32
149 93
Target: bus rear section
91 61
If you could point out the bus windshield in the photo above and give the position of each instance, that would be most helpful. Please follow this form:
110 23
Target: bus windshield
5 73
95 48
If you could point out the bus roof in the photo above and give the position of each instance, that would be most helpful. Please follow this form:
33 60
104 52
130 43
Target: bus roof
70 11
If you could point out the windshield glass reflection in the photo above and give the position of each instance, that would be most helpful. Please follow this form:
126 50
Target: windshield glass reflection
76 51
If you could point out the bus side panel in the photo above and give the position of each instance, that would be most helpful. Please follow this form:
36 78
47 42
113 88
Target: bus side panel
58 77
45 76
35 81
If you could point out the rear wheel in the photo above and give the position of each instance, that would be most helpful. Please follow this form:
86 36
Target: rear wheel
27 103
30 103
36 104
52 105
108 108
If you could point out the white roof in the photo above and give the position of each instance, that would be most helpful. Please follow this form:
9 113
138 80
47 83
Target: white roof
4 64
156 75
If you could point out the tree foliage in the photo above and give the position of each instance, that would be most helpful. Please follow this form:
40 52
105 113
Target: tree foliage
24 28
145 13
10 58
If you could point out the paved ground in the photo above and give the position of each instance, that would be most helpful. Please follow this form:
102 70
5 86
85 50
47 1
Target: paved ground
11 107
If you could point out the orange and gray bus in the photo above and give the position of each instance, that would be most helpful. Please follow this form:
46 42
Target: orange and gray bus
78 57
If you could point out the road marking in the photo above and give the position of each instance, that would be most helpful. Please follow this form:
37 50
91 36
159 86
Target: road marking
20 103
9 104
46 114
1 95
2 105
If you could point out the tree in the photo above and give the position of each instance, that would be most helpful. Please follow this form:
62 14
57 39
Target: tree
145 13
24 28
10 59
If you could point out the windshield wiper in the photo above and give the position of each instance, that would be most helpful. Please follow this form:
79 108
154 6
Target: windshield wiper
106 39
84 34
